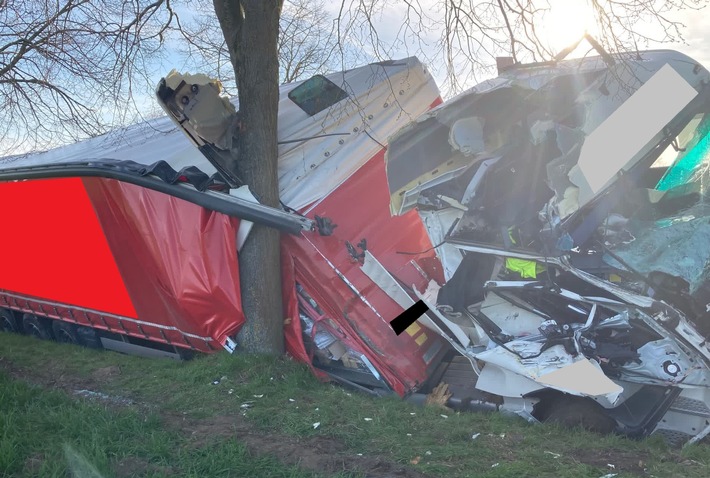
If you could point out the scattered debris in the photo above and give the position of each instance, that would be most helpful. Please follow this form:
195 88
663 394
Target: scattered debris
102 396
259 396
494 465
475 435
368 419
444 416
554 455
316 425
415 460
439 396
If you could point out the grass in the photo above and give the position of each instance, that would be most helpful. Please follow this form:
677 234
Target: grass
45 433
286 400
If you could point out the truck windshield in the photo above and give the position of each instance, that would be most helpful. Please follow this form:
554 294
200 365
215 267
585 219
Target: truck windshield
686 161
669 222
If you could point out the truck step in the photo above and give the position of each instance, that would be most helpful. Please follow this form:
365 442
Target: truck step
139 350
672 437
461 379
691 407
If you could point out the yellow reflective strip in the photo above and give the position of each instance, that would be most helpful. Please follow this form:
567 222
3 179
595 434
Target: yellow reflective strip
421 339
413 329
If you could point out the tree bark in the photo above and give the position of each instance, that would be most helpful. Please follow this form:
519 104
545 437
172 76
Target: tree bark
251 29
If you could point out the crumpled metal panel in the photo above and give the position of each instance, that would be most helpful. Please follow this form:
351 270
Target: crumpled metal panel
361 310
178 260
292 326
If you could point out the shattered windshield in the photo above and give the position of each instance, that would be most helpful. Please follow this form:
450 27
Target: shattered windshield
668 231
685 161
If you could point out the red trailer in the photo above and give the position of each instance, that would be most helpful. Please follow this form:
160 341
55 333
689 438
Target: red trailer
135 234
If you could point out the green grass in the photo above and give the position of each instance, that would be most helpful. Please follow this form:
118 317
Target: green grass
39 422
45 433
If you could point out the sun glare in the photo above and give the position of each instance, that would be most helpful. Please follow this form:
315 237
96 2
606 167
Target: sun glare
565 23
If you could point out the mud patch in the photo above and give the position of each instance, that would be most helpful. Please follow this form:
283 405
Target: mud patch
56 377
621 461
318 454
104 374
132 466
52 376
33 464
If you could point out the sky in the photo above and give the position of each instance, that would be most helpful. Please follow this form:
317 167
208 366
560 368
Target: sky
565 23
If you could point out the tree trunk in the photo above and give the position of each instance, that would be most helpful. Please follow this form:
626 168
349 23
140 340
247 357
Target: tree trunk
251 29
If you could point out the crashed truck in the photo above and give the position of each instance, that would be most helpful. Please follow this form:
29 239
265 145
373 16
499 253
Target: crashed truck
553 220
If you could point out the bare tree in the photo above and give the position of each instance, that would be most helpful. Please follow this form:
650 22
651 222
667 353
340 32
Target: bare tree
67 68
465 36
306 43
251 31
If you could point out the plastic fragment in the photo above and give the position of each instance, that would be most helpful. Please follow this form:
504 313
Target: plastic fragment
316 425
494 465
259 396
554 455
444 416
368 419
475 435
